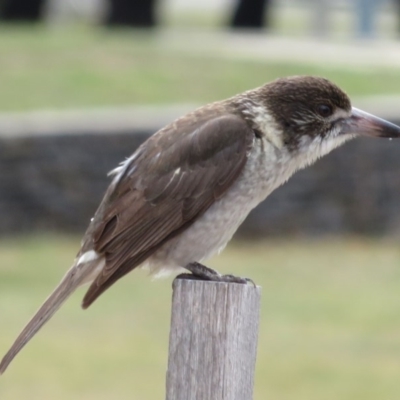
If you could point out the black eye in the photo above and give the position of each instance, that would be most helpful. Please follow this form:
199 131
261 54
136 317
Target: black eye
324 110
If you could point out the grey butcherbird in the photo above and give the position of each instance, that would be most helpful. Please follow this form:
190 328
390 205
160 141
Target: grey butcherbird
181 196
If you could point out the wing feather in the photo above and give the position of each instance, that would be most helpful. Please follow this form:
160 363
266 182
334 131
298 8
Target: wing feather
174 177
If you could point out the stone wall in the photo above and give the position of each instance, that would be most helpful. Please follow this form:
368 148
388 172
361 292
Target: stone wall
53 179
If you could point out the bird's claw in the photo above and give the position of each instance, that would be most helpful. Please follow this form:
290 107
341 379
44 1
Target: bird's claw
190 277
235 279
200 272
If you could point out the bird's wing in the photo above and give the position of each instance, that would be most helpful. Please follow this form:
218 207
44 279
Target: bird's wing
174 177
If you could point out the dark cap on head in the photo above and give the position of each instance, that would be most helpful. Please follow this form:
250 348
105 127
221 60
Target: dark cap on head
302 105
288 94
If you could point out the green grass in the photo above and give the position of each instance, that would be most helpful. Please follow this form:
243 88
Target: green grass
330 323
77 67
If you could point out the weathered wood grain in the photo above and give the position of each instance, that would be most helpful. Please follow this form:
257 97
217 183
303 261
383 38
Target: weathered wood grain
213 341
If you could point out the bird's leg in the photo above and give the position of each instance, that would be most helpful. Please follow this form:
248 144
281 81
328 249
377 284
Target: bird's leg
203 273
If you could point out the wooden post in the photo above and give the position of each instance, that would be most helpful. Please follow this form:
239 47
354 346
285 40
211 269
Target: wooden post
213 341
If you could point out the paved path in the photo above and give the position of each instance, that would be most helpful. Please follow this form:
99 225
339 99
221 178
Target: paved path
261 46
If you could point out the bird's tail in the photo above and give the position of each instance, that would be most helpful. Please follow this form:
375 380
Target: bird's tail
75 277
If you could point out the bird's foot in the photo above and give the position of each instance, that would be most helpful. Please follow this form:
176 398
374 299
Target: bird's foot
202 273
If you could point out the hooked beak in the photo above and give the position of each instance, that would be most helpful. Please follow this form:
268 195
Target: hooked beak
362 123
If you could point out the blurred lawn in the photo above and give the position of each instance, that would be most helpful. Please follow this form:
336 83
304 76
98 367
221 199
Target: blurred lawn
330 323
44 67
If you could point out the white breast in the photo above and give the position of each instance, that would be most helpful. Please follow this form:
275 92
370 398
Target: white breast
264 171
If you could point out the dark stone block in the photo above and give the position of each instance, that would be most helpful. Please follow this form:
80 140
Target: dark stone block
55 182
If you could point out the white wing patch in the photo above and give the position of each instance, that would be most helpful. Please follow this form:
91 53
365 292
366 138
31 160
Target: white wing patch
88 256
123 165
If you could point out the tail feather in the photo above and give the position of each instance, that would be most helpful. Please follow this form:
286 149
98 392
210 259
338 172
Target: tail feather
75 277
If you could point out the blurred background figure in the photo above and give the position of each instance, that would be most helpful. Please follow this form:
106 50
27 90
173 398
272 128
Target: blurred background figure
137 13
397 12
21 10
321 17
366 12
251 14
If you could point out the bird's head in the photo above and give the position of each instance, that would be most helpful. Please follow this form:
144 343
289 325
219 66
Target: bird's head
311 116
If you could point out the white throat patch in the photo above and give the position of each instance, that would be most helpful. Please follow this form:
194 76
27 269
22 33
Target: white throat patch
266 123
311 149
